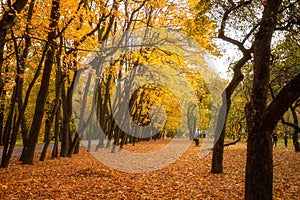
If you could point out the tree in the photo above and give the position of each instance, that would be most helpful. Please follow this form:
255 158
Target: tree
31 46
285 65
262 114
7 21
220 132
43 91
8 16
261 117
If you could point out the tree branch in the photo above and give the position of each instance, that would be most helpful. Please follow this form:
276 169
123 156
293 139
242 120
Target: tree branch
295 126
232 143
223 23
288 6
289 94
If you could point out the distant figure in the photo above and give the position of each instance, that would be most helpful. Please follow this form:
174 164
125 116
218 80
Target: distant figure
275 139
285 140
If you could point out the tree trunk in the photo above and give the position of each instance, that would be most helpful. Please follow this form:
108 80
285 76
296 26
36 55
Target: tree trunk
65 128
259 168
77 147
220 132
67 115
56 133
2 108
7 21
43 92
46 139
74 145
296 131
123 140
8 129
48 125
217 160
116 139
58 93
13 122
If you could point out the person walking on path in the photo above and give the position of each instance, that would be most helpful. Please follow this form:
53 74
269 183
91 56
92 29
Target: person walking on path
275 139
285 138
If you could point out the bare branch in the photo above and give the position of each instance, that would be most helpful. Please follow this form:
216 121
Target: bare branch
288 6
223 24
295 126
289 94
250 32
232 143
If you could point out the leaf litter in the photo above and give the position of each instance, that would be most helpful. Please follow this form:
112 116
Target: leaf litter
84 177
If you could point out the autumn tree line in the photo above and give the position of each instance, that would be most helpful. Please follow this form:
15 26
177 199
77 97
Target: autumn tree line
43 45
43 49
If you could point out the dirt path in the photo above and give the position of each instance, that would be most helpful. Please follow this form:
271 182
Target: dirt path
18 149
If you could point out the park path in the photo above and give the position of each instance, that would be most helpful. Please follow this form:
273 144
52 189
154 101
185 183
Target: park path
18 149
39 147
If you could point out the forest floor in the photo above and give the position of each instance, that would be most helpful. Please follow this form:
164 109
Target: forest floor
84 177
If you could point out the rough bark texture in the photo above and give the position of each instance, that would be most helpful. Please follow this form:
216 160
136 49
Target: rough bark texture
259 169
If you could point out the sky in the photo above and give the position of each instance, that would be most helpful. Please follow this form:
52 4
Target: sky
229 53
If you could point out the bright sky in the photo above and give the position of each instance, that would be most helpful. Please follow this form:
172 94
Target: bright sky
230 54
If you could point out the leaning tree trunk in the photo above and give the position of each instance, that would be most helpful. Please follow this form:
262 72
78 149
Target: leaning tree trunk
48 125
43 92
7 21
8 129
56 133
217 159
8 17
218 150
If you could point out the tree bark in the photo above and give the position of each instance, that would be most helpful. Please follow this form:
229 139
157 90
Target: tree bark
217 159
7 21
13 122
296 130
8 129
2 109
65 128
56 133
220 132
43 92
48 125
259 167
